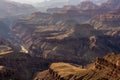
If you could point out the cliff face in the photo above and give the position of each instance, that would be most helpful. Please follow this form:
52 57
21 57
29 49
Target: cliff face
63 36
16 65
20 66
53 36
108 22
106 68
54 41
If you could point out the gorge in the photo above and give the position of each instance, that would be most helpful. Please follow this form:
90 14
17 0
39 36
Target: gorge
74 42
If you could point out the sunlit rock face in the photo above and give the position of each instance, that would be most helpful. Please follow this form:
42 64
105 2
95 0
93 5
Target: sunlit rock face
106 68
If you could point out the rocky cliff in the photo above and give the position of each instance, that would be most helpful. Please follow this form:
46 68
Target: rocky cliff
66 36
51 39
43 38
20 66
106 68
53 36
16 65
108 22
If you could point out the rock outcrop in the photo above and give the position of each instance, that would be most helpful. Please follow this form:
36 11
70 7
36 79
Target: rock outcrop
108 22
16 65
106 68
20 66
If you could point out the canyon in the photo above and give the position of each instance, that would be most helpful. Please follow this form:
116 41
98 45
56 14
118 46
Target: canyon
52 36
74 42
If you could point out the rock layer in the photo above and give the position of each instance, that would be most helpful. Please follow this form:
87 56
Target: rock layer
106 68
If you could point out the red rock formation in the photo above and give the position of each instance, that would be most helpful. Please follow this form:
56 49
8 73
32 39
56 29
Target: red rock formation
106 68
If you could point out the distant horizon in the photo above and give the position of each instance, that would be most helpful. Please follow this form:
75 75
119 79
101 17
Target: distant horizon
28 1
37 1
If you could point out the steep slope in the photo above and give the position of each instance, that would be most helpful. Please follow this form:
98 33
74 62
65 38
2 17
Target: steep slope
108 22
16 65
20 66
106 68
64 37
52 36
51 39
